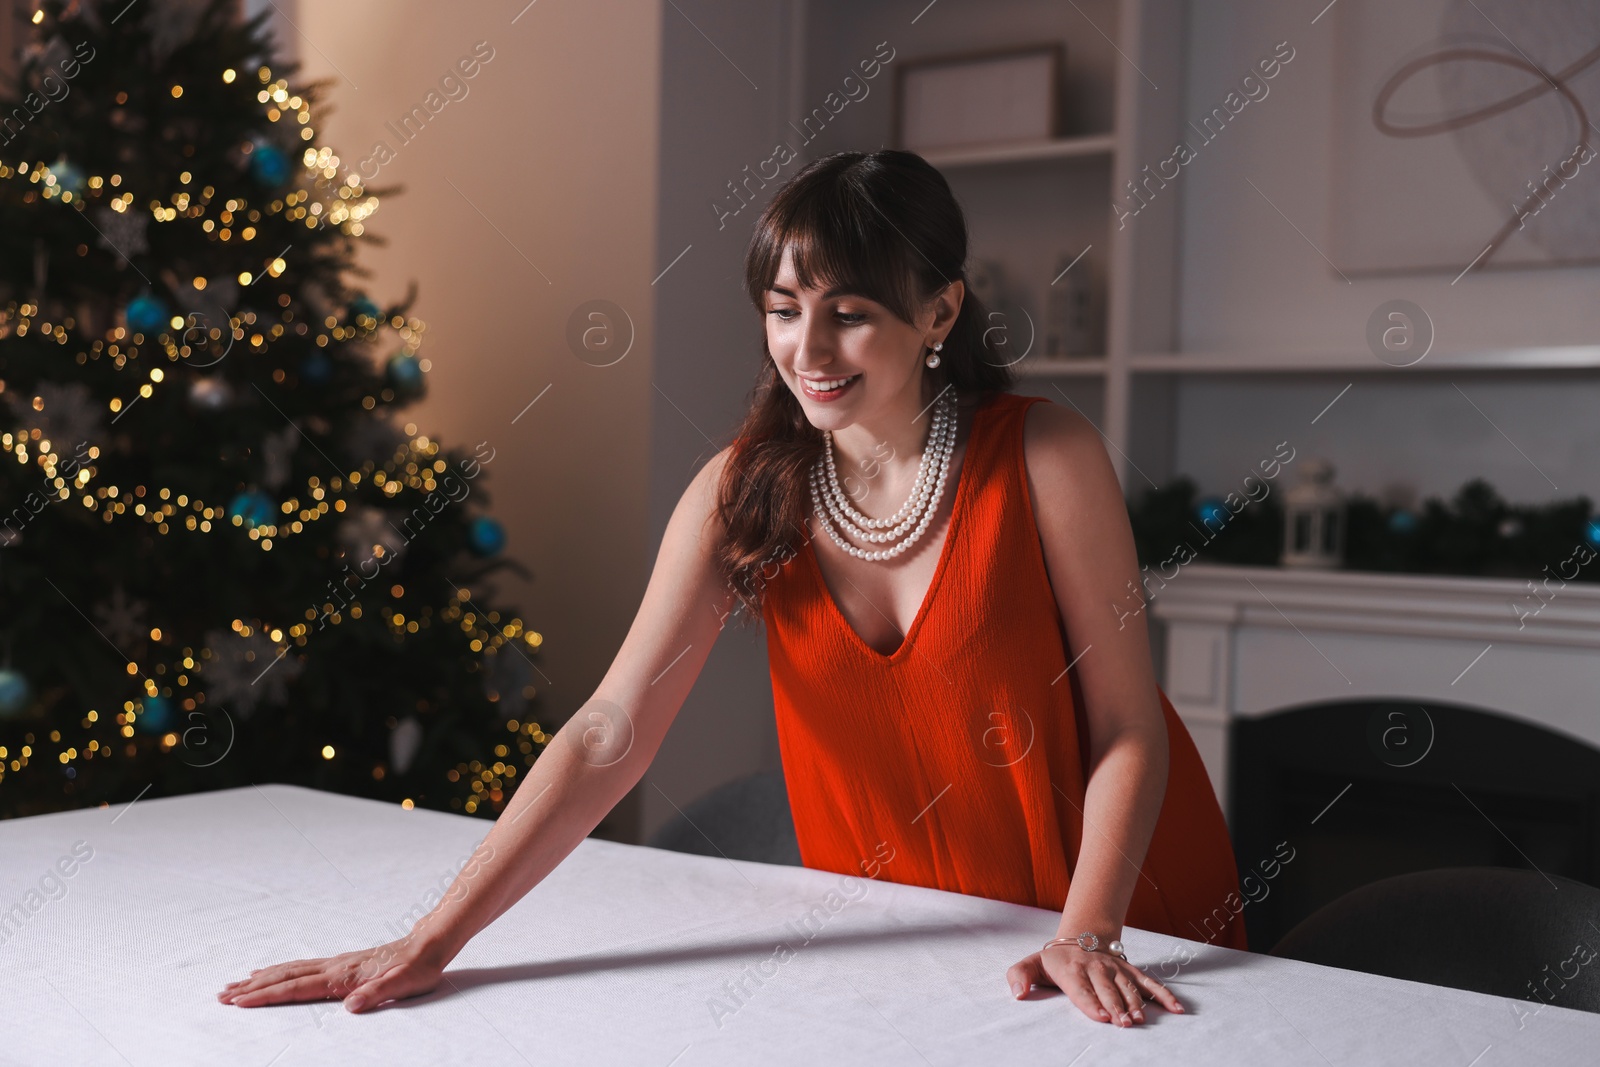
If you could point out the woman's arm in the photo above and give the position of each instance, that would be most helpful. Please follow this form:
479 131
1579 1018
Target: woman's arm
1089 554
589 765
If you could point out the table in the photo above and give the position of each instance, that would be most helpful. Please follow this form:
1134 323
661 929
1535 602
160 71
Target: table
624 955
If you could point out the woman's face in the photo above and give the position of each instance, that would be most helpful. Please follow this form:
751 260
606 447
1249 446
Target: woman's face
844 356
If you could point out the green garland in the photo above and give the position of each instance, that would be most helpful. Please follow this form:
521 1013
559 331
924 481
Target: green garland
1476 533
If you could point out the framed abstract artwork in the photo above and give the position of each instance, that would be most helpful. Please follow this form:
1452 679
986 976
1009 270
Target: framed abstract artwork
1464 135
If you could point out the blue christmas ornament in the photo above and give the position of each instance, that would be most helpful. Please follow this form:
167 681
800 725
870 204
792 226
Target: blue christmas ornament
1212 510
15 693
1402 521
1592 532
156 716
69 177
147 314
268 163
316 368
362 307
405 373
486 536
254 507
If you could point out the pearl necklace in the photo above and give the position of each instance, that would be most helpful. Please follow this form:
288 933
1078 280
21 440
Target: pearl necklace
829 499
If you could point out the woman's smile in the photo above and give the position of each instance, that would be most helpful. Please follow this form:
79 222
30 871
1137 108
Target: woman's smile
827 390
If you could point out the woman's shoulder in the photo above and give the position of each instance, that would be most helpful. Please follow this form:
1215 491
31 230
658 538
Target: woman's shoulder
1055 437
1043 417
1040 411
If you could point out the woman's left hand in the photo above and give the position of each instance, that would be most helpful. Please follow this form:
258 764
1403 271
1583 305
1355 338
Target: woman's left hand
1104 987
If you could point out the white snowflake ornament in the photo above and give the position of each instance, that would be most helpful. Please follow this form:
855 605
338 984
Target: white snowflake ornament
242 671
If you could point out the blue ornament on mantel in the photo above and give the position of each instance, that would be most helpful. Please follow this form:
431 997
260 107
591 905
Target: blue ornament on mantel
316 368
1212 510
254 507
269 164
405 373
15 693
361 307
147 314
486 536
156 716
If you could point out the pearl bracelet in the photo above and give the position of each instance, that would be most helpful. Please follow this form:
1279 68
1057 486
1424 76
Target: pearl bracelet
1089 942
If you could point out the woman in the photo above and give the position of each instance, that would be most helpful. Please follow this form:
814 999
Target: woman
960 702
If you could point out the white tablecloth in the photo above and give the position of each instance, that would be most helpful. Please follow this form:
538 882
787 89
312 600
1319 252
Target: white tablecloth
623 955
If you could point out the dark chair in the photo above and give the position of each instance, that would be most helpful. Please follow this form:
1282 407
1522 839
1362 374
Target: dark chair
745 819
1511 933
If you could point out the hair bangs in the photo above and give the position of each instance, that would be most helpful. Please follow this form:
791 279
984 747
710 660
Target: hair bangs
837 240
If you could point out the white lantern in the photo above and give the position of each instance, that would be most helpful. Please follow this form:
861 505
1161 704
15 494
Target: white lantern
1313 519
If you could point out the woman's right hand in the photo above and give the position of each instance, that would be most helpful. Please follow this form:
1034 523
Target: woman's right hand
363 979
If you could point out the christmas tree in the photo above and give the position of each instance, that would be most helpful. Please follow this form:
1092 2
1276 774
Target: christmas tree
222 562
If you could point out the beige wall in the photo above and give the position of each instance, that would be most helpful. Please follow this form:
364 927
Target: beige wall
555 142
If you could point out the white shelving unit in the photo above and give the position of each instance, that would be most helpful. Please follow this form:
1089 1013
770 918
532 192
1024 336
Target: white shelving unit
1125 64
1093 146
1030 204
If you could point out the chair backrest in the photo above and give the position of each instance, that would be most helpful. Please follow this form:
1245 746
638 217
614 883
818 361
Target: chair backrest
1511 933
745 819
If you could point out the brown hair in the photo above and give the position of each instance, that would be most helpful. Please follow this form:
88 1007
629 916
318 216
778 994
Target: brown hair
885 225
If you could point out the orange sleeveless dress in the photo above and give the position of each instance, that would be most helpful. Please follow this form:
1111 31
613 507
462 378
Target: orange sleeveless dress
958 761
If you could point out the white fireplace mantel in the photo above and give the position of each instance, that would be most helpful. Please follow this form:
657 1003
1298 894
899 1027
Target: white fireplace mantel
1249 641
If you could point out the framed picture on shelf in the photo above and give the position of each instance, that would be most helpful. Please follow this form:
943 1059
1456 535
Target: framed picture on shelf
998 96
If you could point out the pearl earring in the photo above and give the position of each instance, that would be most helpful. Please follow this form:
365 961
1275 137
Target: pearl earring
933 357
